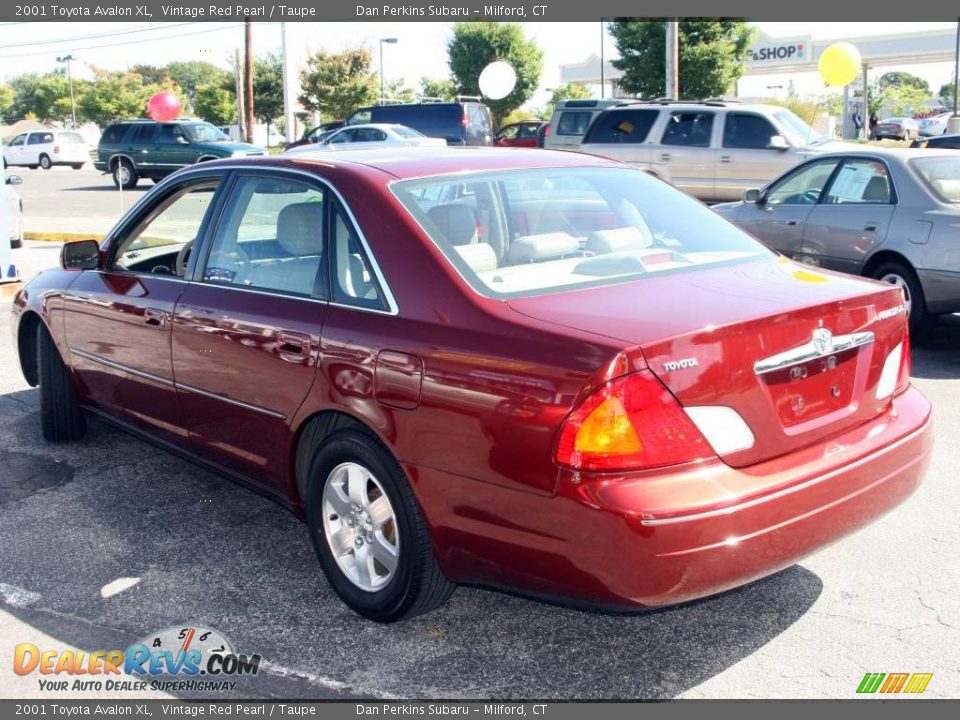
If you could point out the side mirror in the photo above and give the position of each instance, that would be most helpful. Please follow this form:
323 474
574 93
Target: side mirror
80 255
752 196
14 179
778 142
181 140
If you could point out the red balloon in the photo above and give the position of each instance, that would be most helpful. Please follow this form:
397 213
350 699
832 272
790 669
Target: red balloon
164 106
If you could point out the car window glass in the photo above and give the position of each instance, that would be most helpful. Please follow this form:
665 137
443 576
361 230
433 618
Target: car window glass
859 181
270 237
744 130
71 137
113 134
344 136
170 133
573 123
168 227
18 140
509 132
690 129
359 117
803 186
628 126
143 133
353 280
528 131
40 138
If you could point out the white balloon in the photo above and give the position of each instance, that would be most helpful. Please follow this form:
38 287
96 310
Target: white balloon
498 80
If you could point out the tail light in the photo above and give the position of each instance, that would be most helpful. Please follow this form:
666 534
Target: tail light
629 423
56 149
464 120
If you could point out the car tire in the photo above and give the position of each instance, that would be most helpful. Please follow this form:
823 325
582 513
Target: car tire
77 166
901 274
61 418
45 162
124 175
358 499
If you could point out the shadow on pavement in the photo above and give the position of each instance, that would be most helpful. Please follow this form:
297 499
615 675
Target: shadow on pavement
209 553
939 357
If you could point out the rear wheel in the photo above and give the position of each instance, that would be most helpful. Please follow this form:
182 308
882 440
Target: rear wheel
45 162
124 175
61 418
77 166
904 277
369 533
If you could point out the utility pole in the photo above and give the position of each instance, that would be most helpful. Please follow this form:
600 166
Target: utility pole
248 77
383 82
603 84
73 105
288 119
238 84
672 80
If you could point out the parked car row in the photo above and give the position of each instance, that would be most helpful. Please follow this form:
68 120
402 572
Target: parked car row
46 148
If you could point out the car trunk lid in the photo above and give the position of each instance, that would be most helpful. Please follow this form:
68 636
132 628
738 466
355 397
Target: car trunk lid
796 352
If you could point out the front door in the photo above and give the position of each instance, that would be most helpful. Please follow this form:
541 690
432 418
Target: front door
16 150
120 320
746 159
779 218
246 334
173 149
686 149
852 217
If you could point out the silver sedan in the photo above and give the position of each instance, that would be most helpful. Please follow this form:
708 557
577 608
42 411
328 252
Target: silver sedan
888 214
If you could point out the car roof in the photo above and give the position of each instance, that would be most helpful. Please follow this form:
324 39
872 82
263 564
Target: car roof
896 153
696 105
377 126
405 163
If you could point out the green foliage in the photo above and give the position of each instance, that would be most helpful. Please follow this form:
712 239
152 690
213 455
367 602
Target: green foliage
44 97
116 95
336 83
268 88
6 100
570 91
215 104
397 89
712 56
806 110
445 89
898 78
946 93
475 45
518 115
190 75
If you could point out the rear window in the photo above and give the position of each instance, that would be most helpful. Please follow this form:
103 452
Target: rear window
40 138
627 126
404 131
941 175
531 232
573 123
113 134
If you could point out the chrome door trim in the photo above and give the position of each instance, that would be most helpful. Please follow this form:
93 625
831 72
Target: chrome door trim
123 368
811 351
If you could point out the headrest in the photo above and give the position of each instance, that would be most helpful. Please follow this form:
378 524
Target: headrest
602 242
457 223
877 190
300 229
481 257
537 248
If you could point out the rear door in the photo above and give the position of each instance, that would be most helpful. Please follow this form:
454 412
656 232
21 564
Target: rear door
246 333
852 217
141 146
687 150
779 218
569 127
622 135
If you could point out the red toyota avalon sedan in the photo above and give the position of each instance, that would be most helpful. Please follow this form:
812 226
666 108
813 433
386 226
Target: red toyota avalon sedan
540 371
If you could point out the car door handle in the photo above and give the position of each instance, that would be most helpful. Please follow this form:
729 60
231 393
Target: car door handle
154 318
665 156
725 158
870 228
293 345
791 223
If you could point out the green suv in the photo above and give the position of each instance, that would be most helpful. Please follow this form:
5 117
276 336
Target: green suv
132 149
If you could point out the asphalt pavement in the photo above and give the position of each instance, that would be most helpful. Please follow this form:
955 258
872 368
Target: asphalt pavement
108 540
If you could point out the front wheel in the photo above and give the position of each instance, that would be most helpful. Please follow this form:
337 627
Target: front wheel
369 532
124 175
61 418
77 166
45 162
904 277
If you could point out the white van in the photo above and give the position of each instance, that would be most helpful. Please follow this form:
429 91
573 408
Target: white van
46 148
571 119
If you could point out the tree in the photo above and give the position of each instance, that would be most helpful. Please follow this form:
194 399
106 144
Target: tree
570 91
712 56
946 93
151 74
268 89
442 88
475 45
6 100
215 104
114 95
397 89
190 75
336 83
898 78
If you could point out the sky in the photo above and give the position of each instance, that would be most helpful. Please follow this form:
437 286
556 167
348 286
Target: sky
420 49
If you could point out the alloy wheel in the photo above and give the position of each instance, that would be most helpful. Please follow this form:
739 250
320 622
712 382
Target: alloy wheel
898 280
360 526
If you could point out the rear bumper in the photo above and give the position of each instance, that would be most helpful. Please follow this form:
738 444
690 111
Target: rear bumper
660 539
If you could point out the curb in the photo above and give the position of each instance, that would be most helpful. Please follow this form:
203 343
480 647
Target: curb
61 236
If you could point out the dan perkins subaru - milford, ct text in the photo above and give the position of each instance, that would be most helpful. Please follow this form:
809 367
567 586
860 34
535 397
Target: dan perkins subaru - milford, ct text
499 11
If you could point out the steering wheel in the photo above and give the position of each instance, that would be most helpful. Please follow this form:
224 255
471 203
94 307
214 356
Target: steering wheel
182 258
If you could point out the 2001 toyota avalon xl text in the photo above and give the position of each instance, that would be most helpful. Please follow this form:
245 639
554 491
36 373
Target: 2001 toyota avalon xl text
533 370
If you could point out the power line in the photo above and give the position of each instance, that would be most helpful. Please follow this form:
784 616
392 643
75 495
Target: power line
79 38
118 44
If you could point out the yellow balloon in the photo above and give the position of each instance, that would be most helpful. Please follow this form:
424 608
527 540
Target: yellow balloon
839 64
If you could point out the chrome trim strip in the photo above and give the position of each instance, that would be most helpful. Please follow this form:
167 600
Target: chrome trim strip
231 401
123 368
809 351
178 386
393 307
693 517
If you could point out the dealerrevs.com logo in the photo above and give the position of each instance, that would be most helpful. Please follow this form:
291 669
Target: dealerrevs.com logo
178 659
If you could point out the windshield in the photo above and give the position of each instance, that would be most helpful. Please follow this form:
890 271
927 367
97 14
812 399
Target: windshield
529 232
205 132
941 175
797 131
404 131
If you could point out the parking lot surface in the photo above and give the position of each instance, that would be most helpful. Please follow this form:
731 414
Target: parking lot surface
110 539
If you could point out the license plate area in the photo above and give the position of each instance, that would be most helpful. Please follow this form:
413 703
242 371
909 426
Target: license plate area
809 390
